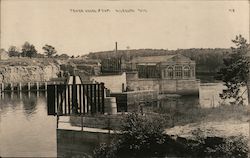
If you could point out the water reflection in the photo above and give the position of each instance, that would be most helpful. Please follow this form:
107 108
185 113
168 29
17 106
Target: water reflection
30 105
25 128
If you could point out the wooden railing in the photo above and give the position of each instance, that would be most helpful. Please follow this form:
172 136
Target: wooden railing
75 99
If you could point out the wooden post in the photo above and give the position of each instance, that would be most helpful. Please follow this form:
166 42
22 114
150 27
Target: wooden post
102 89
98 97
95 107
87 94
74 96
57 100
45 85
69 99
65 99
91 99
84 102
28 86
37 86
20 95
80 98
20 86
11 87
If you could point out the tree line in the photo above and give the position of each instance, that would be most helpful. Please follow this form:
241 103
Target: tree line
207 60
29 50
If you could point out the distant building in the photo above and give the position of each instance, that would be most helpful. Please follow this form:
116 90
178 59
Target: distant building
165 74
113 65
4 55
165 67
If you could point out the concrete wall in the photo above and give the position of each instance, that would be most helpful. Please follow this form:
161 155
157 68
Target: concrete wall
183 87
143 84
100 121
129 101
112 82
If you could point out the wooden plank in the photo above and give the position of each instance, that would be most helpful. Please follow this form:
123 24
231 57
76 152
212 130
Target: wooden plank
80 98
102 92
69 99
87 94
65 100
74 99
98 98
91 99
95 105
61 98
51 100
83 94
57 97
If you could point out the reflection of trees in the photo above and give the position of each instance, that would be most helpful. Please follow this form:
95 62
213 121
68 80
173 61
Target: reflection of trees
8 102
29 104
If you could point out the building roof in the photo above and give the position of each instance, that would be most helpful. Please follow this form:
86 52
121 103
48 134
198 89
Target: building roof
161 59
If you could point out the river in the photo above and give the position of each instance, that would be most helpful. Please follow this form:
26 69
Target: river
25 128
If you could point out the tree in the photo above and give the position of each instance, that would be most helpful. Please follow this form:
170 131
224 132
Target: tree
63 56
28 50
13 51
234 74
49 50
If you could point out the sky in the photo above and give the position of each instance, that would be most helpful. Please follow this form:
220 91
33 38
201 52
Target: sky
79 27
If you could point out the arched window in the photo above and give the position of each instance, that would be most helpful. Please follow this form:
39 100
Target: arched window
178 71
186 71
170 72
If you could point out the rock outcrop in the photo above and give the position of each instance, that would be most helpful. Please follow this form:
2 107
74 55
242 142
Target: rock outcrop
29 73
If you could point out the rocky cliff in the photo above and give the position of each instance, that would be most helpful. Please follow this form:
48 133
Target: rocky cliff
26 72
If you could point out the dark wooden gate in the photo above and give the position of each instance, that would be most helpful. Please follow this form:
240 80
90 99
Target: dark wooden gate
75 99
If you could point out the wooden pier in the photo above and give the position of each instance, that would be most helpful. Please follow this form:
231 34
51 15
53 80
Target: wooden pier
22 87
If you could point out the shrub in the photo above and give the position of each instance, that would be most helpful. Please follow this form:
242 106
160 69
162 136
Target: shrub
141 136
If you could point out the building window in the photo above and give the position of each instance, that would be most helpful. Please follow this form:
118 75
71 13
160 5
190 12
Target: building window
148 72
186 71
192 71
178 71
170 72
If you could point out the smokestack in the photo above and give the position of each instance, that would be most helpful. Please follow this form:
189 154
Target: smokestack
115 47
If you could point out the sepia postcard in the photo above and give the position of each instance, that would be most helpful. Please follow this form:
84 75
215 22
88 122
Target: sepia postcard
122 78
